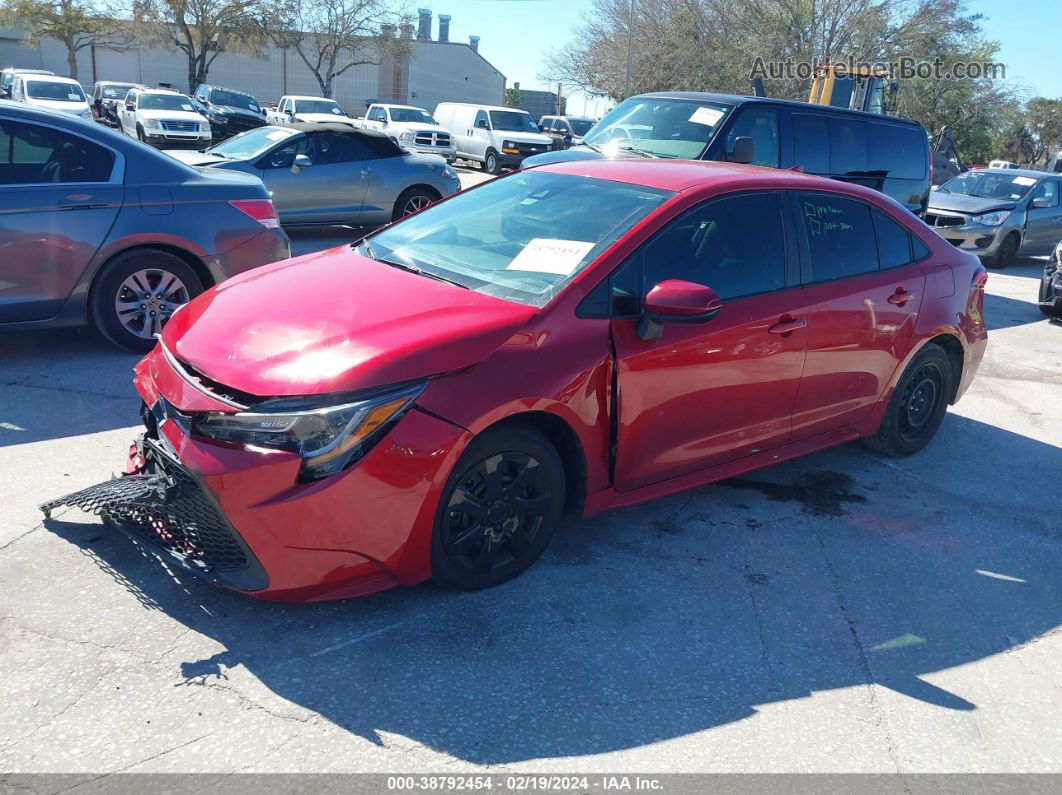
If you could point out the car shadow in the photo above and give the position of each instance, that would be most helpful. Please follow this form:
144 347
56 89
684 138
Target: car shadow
659 621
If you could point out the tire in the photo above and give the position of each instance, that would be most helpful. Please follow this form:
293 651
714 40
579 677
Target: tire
412 200
1045 291
140 134
1007 250
492 165
486 532
134 327
917 406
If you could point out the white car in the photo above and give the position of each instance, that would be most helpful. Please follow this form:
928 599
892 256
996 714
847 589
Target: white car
412 128
162 117
51 92
312 110
494 136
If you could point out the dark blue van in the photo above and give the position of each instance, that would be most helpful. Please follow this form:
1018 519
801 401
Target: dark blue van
882 152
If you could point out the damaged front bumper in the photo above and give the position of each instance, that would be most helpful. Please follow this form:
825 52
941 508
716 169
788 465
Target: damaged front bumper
162 504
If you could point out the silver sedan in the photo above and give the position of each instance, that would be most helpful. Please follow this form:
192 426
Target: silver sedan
331 173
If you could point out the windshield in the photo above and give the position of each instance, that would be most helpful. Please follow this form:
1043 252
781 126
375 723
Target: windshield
513 120
165 102
220 96
987 185
659 127
522 238
116 90
412 115
56 92
249 145
580 126
318 106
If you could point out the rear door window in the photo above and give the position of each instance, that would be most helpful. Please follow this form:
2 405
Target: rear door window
811 143
840 236
35 154
896 151
761 125
894 242
848 147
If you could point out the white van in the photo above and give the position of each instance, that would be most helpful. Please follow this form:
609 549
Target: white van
492 135
51 92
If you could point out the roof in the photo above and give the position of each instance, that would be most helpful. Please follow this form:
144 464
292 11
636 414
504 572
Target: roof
680 175
49 78
336 127
305 96
393 105
739 99
1017 172
483 107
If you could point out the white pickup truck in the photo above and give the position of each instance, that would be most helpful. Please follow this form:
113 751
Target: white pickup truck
413 129
312 110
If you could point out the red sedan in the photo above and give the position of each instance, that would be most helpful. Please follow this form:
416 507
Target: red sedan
426 403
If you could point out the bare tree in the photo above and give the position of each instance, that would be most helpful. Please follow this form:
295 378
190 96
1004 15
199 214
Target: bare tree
76 23
202 29
333 36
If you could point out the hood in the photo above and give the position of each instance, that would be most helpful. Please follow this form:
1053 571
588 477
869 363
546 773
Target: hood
73 108
170 115
525 137
564 156
232 110
411 126
323 118
194 158
336 321
968 205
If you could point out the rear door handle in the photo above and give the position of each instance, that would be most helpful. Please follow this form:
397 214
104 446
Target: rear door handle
788 324
900 297
80 201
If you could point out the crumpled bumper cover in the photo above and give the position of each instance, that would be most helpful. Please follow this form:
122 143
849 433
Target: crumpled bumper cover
165 507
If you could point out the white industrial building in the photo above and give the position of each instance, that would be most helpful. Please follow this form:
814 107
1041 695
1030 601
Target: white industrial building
437 70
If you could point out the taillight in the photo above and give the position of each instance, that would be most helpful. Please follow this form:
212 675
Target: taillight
980 279
261 210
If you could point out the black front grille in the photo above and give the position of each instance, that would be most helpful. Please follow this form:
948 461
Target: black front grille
431 139
242 123
933 219
532 149
167 508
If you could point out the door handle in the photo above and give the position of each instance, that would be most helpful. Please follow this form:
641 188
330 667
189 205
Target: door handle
365 172
80 201
787 325
900 297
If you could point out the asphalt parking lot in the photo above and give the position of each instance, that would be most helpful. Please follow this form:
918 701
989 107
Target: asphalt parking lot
841 612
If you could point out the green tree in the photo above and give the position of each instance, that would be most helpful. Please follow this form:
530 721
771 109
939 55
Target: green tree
76 23
1043 120
513 97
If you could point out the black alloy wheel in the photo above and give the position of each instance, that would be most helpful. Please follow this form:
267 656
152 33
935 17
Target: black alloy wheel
499 511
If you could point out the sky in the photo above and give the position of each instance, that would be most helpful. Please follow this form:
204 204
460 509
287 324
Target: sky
515 36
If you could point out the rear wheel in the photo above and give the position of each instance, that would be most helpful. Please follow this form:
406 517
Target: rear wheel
498 511
412 201
917 406
492 165
137 292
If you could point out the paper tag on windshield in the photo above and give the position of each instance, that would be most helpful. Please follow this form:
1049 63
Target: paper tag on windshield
74 97
1023 181
185 107
547 255
707 116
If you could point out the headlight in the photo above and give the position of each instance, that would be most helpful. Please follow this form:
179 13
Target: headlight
992 219
406 136
204 126
329 438
449 173
152 124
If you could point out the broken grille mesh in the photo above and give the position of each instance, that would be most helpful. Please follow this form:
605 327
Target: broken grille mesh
167 509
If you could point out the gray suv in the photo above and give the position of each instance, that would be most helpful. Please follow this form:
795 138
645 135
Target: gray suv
996 213
98 228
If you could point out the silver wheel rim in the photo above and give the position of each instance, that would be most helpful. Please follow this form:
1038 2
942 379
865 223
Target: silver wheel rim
414 204
146 299
492 162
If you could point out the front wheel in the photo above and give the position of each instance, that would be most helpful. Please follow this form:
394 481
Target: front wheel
499 509
492 165
1045 294
136 293
917 406
1007 251
412 201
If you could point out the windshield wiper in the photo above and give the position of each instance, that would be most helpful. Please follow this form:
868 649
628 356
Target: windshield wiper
592 146
638 151
409 266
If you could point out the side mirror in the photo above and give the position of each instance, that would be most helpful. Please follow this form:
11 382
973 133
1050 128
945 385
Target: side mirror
300 162
542 128
1040 204
744 150
676 301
